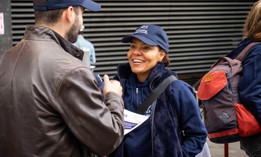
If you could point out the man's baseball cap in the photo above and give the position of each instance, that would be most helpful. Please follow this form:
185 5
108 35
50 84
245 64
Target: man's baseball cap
60 4
152 35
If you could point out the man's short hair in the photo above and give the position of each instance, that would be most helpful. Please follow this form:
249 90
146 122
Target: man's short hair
44 5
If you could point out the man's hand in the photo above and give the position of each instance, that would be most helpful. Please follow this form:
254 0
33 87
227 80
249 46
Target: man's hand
111 86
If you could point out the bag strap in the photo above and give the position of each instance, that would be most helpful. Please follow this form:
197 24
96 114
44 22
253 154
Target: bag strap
245 51
241 56
155 94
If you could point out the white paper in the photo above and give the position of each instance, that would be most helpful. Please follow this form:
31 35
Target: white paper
132 120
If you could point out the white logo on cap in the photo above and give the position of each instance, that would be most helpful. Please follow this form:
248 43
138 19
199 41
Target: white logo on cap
142 29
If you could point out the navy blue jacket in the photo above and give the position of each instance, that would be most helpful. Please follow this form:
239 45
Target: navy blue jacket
249 87
176 126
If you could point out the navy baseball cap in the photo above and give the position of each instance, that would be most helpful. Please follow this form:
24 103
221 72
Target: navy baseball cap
152 35
60 4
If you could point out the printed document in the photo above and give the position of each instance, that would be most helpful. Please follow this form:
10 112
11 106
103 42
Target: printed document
132 120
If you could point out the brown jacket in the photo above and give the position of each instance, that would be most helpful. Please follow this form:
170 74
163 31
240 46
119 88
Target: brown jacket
50 104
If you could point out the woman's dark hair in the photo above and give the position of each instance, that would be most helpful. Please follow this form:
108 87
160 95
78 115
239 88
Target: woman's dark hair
165 60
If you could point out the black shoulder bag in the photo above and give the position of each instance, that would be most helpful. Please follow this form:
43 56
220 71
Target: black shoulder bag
155 94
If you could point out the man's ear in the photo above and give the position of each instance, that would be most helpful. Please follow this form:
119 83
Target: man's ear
69 14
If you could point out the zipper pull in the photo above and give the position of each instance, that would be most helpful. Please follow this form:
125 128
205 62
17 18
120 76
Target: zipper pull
137 90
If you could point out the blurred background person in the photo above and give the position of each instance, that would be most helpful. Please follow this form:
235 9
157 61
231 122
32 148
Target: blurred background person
89 52
89 57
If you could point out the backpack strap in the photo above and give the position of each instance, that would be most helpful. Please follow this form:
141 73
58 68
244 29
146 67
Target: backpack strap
155 94
245 51
241 56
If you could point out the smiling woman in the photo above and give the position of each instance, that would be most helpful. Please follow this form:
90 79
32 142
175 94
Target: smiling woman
175 114
143 57
146 50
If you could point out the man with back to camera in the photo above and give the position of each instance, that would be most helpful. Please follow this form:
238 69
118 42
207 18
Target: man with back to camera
50 103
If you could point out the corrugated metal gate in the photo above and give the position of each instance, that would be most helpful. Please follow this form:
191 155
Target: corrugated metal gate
199 31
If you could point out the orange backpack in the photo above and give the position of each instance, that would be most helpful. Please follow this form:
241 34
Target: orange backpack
225 118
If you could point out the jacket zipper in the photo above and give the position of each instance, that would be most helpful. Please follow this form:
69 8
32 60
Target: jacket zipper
137 95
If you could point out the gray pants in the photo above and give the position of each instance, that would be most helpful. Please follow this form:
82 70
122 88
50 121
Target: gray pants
252 145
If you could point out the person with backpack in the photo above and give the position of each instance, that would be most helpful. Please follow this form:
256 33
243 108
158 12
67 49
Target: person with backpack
249 87
174 127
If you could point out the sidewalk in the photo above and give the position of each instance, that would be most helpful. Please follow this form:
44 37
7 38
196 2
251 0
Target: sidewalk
217 150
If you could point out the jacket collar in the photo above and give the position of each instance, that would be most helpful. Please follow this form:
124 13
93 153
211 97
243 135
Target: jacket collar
44 33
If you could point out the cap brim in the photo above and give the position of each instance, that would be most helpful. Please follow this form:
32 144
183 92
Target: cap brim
128 39
91 5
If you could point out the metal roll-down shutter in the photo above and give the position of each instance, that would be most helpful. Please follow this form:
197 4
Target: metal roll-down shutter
199 31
